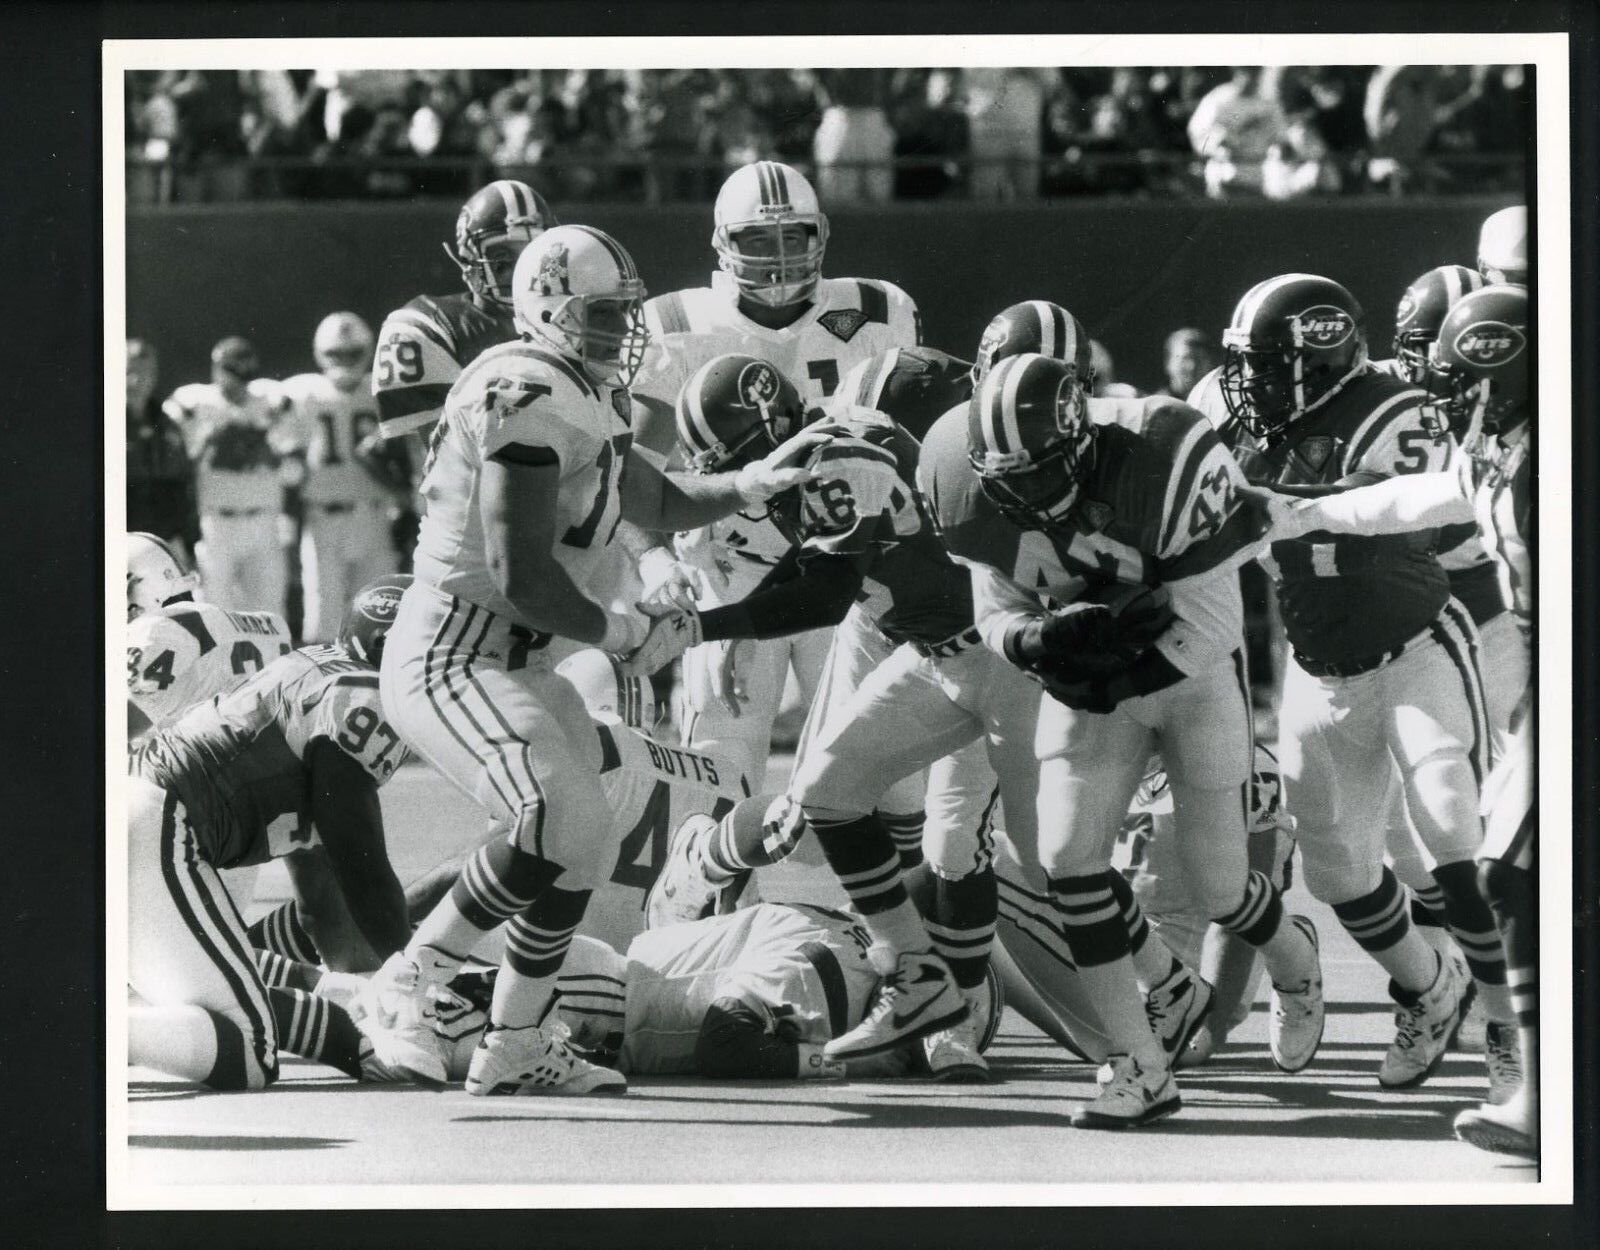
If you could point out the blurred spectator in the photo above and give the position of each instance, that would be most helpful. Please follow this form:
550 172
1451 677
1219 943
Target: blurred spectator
1121 123
1405 105
1234 128
1005 107
931 126
1299 164
161 492
1106 385
854 145
1189 357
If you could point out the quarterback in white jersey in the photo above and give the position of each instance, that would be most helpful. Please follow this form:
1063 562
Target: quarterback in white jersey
344 543
529 474
179 651
229 427
768 300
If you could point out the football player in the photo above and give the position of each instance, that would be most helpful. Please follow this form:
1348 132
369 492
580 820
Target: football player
180 651
769 300
291 758
1481 360
228 425
1503 246
913 385
1384 670
1046 492
344 542
905 684
424 346
528 474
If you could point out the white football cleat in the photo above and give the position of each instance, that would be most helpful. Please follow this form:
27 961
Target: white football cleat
1177 1008
536 1060
1423 1030
1510 1128
394 1011
1130 1096
1502 1051
681 892
952 1053
1298 1014
917 998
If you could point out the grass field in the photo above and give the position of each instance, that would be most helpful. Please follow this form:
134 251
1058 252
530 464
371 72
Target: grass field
1242 1120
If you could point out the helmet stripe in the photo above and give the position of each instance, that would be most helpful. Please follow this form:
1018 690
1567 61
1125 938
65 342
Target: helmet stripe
1049 327
695 410
1245 314
1452 285
766 184
780 182
1008 402
993 426
506 190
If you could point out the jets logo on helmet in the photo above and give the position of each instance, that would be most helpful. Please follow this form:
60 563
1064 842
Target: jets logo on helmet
1029 439
1035 325
576 289
769 233
1490 343
1292 342
734 410
1325 326
491 230
1421 309
371 613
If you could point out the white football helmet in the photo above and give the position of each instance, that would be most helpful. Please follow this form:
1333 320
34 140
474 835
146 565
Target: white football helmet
576 289
608 692
155 575
342 348
1503 246
752 208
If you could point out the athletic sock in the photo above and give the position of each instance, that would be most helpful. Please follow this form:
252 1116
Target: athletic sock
278 972
498 881
759 831
281 932
314 1028
906 830
863 857
1097 936
537 941
1513 897
1427 906
1153 962
1258 919
1381 925
963 920
1472 923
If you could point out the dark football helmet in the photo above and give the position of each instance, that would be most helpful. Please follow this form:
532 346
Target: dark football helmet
1480 360
734 410
1293 341
237 357
491 230
1421 309
1035 325
1029 439
368 618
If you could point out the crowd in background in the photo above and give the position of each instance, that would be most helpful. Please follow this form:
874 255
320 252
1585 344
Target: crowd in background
867 135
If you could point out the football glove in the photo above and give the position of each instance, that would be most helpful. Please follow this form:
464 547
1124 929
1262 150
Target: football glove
782 469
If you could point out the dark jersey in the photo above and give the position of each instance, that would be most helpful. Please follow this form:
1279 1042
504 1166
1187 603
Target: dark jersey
863 504
1160 504
1346 597
422 349
237 762
913 385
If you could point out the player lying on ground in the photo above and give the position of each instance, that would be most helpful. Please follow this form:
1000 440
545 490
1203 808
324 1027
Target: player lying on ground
292 756
1481 360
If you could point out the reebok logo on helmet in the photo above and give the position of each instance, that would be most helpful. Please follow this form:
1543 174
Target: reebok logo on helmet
1324 326
1491 343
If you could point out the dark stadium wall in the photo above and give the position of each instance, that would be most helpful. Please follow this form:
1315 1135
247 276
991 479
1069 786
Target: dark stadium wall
1133 271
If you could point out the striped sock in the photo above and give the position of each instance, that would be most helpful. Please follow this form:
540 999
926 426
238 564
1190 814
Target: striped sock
593 1005
962 924
498 881
281 932
1095 929
314 1028
1472 924
1512 895
1153 963
1427 906
906 831
862 856
1259 914
1380 922
286 974
759 831
536 946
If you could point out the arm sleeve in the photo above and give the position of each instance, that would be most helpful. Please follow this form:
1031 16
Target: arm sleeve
349 820
797 595
1396 505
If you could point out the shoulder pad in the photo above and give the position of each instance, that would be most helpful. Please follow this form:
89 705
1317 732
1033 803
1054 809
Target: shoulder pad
421 318
524 362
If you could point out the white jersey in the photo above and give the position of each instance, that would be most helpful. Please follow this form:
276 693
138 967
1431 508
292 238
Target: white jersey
652 788
807 963
183 654
850 320
326 424
231 445
522 396
1501 490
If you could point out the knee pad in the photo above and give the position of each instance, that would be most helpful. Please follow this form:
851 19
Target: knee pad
1336 878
